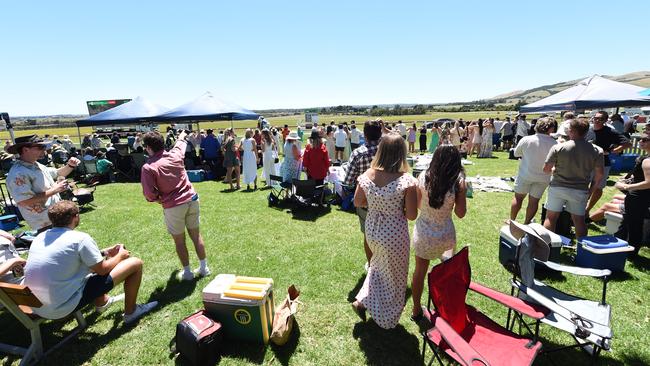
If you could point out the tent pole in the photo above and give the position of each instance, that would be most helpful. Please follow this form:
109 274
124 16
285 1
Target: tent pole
617 110
231 125
79 135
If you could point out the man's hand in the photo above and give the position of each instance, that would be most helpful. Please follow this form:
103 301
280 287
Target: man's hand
123 253
58 187
73 162
182 135
114 250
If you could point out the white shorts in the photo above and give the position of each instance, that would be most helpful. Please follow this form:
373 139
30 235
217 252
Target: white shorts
180 217
575 200
534 189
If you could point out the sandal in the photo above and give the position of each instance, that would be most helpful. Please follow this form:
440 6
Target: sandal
361 312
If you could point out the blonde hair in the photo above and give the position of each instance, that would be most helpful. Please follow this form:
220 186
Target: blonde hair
391 154
249 133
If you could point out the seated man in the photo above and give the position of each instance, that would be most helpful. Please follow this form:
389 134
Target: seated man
66 270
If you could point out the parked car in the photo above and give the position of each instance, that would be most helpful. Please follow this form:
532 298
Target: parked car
440 122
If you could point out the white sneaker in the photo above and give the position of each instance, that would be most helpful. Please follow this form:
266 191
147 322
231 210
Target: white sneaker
140 310
185 275
111 301
205 272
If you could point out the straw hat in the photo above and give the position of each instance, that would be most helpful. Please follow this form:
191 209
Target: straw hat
292 136
541 239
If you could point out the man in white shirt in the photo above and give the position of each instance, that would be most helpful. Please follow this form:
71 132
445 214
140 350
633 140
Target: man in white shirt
355 138
66 270
401 128
522 127
340 139
531 179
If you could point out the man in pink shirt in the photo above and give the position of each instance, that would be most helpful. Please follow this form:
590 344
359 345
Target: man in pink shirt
164 180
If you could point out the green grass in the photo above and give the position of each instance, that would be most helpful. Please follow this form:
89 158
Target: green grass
323 256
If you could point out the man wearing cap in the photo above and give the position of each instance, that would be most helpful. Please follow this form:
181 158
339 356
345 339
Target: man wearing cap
611 142
32 185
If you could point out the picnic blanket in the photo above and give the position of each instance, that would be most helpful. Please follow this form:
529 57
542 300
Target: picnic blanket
489 184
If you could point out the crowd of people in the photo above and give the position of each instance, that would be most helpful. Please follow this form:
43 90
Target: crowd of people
66 269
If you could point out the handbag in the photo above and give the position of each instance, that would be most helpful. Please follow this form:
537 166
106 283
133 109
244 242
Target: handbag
198 338
276 158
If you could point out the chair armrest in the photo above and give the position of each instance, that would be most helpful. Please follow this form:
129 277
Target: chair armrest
531 310
579 271
319 187
465 352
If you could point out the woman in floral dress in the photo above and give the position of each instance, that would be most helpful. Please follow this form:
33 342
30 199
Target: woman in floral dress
442 189
390 194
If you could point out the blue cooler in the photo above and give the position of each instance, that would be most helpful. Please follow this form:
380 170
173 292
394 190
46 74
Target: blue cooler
196 175
603 252
8 222
622 162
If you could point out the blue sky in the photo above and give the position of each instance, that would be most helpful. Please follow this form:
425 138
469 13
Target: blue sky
275 54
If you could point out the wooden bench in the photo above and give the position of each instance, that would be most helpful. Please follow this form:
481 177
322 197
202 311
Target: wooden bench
19 301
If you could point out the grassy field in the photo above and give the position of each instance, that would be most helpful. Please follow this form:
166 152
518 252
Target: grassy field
322 254
292 121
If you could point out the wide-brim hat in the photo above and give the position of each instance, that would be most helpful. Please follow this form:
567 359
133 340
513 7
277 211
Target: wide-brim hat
292 136
31 140
541 239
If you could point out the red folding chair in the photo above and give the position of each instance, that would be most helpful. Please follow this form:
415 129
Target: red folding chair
465 334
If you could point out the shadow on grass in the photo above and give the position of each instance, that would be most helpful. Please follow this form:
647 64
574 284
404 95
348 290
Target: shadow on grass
283 353
639 262
353 293
249 352
173 291
387 346
311 213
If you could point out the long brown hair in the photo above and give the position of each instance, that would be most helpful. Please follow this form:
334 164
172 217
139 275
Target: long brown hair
443 173
391 154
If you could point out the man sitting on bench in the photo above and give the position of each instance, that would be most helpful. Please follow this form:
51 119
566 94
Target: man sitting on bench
59 264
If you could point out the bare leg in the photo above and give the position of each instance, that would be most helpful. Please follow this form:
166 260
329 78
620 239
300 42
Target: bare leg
515 206
580 225
229 175
551 220
608 207
197 239
181 249
237 174
531 209
128 271
366 248
417 283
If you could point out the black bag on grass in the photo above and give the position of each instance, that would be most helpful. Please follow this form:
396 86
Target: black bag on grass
198 339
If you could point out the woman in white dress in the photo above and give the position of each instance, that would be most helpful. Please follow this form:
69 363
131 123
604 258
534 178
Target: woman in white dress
249 147
475 137
269 153
486 140
329 142
441 191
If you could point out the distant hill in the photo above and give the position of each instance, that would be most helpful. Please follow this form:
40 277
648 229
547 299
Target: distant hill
639 78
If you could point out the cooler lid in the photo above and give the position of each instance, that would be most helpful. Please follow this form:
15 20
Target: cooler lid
603 242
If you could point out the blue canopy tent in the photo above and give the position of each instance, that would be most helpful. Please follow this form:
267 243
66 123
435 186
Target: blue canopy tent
590 93
139 110
208 108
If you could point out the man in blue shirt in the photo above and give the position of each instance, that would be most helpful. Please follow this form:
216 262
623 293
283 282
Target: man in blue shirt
211 153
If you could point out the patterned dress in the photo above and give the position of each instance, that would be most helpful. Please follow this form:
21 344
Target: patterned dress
434 231
384 289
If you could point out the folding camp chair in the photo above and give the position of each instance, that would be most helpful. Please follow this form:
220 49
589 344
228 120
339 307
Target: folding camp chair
586 320
306 193
280 190
464 333
90 171
19 300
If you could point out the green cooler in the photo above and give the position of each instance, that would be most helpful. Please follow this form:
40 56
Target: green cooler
243 306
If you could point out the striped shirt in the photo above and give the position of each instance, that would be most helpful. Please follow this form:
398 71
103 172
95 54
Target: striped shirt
359 162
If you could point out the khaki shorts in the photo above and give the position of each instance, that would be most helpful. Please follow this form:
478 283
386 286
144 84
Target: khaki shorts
572 200
180 217
534 189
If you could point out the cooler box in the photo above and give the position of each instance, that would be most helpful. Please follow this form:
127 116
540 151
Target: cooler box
8 222
603 252
243 305
622 162
196 175
209 175
508 245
